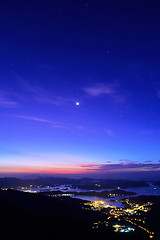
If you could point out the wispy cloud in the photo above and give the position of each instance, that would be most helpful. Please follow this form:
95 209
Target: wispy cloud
64 168
125 161
85 129
33 118
6 99
4 102
100 89
42 96
109 132
37 119
30 92
111 90
60 126
64 163
56 124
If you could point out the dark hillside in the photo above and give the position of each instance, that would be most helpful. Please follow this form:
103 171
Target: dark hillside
33 216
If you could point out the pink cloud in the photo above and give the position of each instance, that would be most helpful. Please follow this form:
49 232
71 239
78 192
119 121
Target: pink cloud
4 102
6 99
123 167
42 96
111 90
100 89
109 132
52 168
56 124
33 118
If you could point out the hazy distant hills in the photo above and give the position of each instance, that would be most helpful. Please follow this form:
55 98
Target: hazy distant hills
16 182
109 184
84 183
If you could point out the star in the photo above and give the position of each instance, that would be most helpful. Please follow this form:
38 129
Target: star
77 103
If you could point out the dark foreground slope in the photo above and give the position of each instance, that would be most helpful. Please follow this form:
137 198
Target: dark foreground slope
33 216
30 216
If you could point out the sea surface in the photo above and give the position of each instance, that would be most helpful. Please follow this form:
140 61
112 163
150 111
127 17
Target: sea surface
150 190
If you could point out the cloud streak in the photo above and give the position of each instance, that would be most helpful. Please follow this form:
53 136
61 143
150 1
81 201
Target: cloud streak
100 89
45 97
33 118
56 124
111 90
61 164
6 100
109 132
53 168
121 167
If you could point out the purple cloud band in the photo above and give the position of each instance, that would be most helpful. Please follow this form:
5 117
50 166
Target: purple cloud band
123 167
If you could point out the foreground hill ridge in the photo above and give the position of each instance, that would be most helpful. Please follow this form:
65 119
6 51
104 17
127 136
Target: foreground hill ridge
35 216
41 217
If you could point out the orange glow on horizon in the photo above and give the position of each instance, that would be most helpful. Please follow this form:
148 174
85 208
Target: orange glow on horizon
53 169
47 168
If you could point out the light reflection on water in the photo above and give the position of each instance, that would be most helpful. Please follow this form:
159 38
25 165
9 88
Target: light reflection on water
151 190
107 200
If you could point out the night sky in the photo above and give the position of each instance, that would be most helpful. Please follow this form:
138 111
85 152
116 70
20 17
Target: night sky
80 88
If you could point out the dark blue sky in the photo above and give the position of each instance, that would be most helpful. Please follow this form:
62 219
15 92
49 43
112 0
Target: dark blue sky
79 87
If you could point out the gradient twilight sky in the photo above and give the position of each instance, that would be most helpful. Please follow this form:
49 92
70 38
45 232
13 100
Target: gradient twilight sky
80 87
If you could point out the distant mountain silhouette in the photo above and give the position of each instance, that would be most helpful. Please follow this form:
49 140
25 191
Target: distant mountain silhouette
85 183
